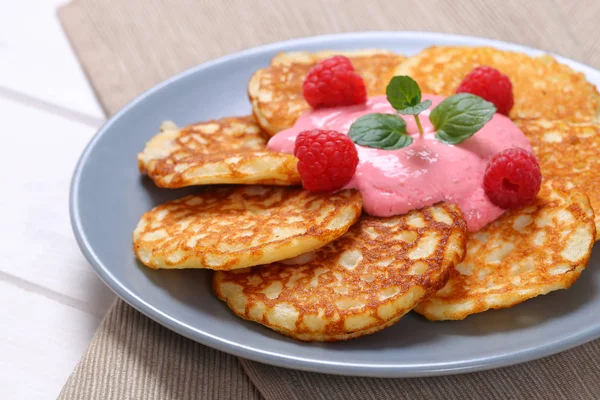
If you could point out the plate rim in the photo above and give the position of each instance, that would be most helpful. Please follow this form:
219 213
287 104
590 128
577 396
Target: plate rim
297 362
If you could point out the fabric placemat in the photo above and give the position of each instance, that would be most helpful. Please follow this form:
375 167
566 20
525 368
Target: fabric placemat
127 46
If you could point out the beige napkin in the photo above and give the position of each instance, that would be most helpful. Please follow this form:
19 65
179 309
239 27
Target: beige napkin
127 46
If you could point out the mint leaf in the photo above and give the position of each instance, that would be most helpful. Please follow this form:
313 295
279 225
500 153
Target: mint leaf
458 117
403 92
415 110
380 131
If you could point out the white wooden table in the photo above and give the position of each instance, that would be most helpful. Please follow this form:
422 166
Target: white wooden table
51 301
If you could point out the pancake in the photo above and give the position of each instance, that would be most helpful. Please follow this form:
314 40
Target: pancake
569 153
543 88
276 91
237 227
525 253
229 150
359 284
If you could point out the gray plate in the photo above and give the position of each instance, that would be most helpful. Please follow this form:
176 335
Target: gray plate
108 196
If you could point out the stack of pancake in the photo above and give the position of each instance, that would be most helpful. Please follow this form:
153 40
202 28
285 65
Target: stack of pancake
317 268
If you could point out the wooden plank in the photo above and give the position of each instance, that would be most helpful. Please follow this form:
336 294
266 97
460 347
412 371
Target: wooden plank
37 244
37 60
41 341
582 18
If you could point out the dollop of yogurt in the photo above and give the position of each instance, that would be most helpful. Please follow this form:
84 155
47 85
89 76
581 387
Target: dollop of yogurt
393 182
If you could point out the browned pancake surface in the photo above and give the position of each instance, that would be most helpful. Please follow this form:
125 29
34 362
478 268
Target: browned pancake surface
237 227
276 91
570 153
229 150
543 87
523 254
359 284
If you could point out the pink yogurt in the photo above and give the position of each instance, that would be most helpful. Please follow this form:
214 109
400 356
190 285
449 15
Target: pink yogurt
393 182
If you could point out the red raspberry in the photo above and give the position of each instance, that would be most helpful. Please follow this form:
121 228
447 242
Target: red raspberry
491 85
333 82
512 178
327 160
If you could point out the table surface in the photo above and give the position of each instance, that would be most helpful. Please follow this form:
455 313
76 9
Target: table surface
52 300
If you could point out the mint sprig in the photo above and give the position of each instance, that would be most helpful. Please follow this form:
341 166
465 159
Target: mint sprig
415 110
458 117
404 94
382 131
455 119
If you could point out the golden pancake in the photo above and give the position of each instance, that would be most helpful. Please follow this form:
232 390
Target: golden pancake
228 150
238 227
525 253
543 88
570 153
359 284
276 91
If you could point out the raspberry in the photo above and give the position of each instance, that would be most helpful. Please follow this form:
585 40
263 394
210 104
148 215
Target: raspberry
327 160
491 85
333 82
512 178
